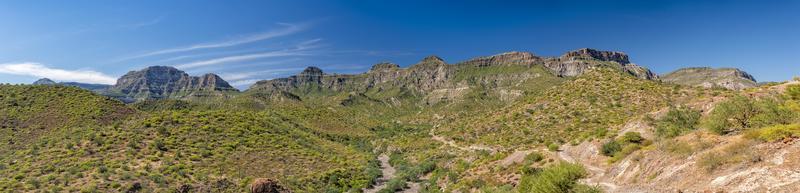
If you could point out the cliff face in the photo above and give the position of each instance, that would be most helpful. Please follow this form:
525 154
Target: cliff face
577 62
729 78
432 74
165 82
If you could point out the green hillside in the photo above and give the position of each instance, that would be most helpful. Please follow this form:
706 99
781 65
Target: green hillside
164 150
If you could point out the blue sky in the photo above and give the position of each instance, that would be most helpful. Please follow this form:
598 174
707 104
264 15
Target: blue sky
246 41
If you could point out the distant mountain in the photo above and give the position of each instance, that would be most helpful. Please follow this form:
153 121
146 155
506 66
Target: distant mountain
44 81
729 78
92 87
433 79
157 82
88 86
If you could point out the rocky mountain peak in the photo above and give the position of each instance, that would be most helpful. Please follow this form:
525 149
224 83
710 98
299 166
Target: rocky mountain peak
384 66
432 59
44 81
311 71
165 82
588 53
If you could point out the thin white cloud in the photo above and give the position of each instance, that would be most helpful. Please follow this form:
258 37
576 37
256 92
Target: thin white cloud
42 71
239 58
288 29
236 76
240 83
299 50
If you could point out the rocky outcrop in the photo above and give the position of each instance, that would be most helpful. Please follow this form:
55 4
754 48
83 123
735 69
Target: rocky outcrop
505 59
157 82
729 78
264 185
577 62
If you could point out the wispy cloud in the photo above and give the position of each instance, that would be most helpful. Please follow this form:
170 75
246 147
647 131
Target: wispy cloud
144 23
240 79
299 50
241 83
287 29
246 75
42 71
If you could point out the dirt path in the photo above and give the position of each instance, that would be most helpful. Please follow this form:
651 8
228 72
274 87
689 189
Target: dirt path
597 174
453 144
388 173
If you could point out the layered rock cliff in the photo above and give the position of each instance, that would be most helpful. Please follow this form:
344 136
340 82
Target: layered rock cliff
433 75
157 82
729 78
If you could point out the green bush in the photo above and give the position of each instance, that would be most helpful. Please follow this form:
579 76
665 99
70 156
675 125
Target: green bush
623 146
632 137
775 133
611 147
793 92
676 122
561 177
533 157
553 146
740 113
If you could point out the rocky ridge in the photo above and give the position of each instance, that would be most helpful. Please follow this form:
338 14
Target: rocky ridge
432 74
729 78
165 82
92 87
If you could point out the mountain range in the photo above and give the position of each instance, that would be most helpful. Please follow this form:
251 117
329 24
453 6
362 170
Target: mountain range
432 75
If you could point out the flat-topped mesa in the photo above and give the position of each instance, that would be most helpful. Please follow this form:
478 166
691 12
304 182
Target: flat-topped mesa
504 59
588 53
730 72
729 78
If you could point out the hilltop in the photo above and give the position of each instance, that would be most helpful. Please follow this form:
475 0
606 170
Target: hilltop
729 78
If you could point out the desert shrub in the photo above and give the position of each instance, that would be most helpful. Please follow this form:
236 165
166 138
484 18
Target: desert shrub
676 147
731 116
553 146
737 152
677 121
533 157
561 177
775 133
793 92
624 145
740 113
771 112
632 137
611 147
